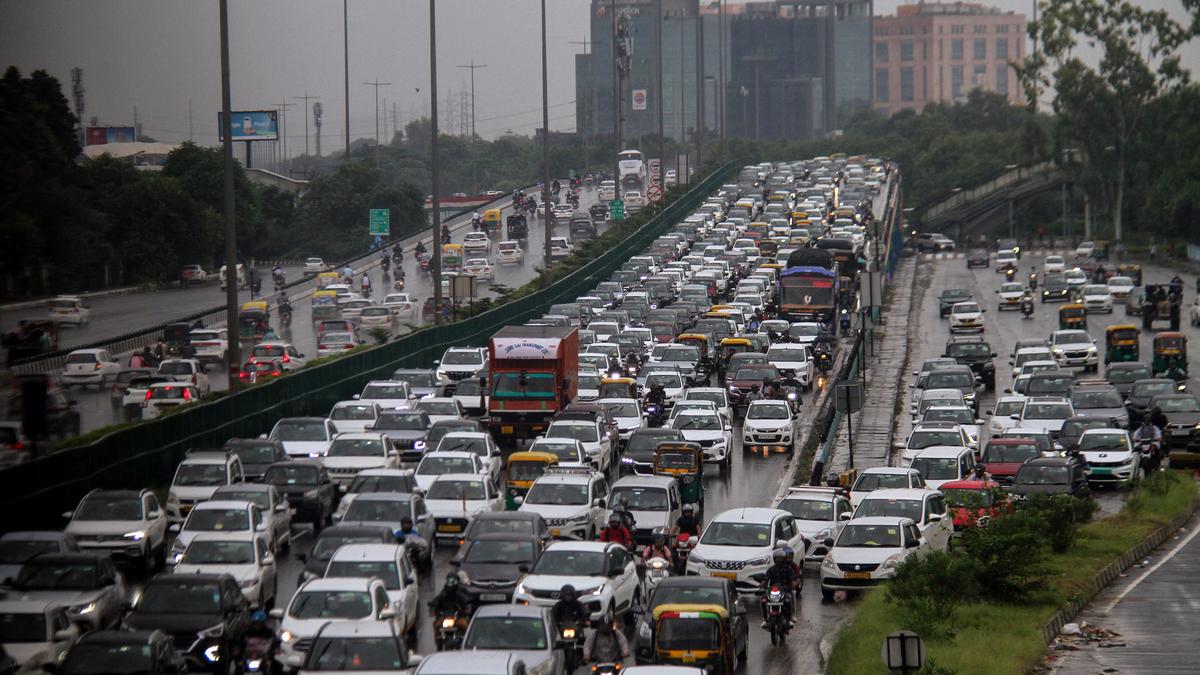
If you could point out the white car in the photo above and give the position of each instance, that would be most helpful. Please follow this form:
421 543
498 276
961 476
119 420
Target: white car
89 366
719 396
737 545
769 423
271 503
1097 298
481 268
352 308
805 332
36 632
867 551
1120 287
246 556
476 242
478 443
884 478
453 499
336 342
793 358
1076 279
1006 258
304 437
198 476
354 416
674 385
939 466
389 394
434 464
960 415
933 434
966 316
376 317
1074 348
211 345
818 512
125 524
560 247
440 408
390 564
510 253
1001 416
1109 456
924 506
595 440
321 601
283 353
402 305
712 432
350 453
627 412
1085 249
187 371
604 575
523 632
606 191
314 266
570 500
69 309
224 516
1046 413
459 362
1054 264
162 396
1010 295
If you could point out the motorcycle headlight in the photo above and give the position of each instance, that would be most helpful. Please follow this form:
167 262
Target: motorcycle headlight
287 636
213 653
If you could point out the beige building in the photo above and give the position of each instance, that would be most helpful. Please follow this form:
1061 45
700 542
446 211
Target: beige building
934 52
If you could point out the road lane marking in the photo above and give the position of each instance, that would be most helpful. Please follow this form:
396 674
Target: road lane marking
1155 566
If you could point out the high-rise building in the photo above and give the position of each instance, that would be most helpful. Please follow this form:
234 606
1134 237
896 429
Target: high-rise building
935 52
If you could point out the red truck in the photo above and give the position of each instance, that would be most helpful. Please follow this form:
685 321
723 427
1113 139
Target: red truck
534 374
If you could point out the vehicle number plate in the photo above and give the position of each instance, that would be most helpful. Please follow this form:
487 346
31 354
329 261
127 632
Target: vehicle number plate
493 597
689 658
554 532
858 575
506 430
449 528
725 575
1101 472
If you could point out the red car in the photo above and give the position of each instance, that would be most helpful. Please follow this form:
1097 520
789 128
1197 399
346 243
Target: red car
1003 456
260 371
970 501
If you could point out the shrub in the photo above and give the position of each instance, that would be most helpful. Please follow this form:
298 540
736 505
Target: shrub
926 590
1008 551
1063 514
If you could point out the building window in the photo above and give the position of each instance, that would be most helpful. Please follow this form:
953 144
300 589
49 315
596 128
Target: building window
1002 80
956 49
979 76
956 82
906 50
906 30
882 86
957 30
906 84
1002 48
980 28
881 52
1002 28
980 49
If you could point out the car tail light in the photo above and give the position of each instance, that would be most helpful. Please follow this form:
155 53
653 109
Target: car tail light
187 394
287 359
147 394
322 346
245 375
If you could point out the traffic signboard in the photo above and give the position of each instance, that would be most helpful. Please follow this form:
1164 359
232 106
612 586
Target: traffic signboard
380 222
654 194
616 209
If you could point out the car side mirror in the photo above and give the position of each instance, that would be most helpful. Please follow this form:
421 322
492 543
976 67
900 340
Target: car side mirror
845 515
1008 391
68 514
387 613
912 543
175 527
935 517
355 397
828 543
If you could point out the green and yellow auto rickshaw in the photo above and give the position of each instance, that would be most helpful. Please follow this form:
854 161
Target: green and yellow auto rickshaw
324 306
618 387
254 321
1170 354
522 470
1132 271
684 462
1122 343
695 636
1073 315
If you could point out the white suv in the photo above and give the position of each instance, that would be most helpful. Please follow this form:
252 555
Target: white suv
351 453
321 601
571 500
793 358
1074 348
461 362
198 476
867 551
709 429
737 545
604 576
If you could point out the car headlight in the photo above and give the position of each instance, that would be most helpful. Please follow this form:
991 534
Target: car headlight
86 609
136 535
1057 351
213 653
287 636
823 534
828 564
580 519
311 494
419 445
597 591
891 562
758 561
520 590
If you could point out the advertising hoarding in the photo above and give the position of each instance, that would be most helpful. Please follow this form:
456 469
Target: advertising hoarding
251 125
106 135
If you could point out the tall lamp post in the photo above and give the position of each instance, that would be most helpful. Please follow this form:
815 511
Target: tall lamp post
346 69
231 285
548 217
435 172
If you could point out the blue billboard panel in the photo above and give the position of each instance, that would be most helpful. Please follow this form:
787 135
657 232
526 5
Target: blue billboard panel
251 125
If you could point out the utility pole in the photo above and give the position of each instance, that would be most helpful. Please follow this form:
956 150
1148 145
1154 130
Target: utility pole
282 108
435 169
316 111
234 353
377 84
190 135
473 67
306 98
346 70
77 92
699 90
137 126
721 84
590 106
658 94
616 98
548 217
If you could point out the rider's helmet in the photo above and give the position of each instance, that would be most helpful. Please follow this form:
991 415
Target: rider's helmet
688 508
778 555
567 593
660 539
258 616
406 523
451 579
614 519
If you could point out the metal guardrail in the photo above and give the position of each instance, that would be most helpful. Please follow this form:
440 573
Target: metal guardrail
951 201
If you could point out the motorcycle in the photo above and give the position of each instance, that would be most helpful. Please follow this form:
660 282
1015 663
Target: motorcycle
424 263
1026 310
285 316
1150 454
256 657
449 637
657 569
654 415
606 668
684 543
572 647
777 622
1033 281
399 284
845 321
1009 273
386 264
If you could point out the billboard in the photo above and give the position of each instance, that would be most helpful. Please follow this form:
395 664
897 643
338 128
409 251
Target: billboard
106 135
251 125
639 99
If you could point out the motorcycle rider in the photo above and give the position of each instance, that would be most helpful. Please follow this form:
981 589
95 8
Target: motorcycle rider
1149 433
445 234
782 574
569 610
419 249
616 532
657 395
1158 419
407 534
605 645
366 284
657 548
1027 303
1033 278
261 637
452 600
627 518
385 261
687 522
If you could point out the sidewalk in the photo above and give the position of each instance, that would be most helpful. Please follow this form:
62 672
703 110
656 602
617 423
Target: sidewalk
873 426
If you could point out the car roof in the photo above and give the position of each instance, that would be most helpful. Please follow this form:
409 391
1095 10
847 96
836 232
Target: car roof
936 425
34 535
750 514
880 520
367 552
528 611
221 504
353 629
644 481
900 493
227 535
469 663
891 470
337 584
942 452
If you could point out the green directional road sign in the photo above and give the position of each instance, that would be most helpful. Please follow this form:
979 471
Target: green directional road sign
616 209
380 222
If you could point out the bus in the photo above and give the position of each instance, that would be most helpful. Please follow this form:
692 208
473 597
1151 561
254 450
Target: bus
632 166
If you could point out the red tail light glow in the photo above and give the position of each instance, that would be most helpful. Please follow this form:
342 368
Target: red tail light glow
187 394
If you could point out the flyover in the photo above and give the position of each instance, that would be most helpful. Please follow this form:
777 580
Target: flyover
968 209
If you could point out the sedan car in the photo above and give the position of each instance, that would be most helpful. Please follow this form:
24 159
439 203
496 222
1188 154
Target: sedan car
977 257
1054 264
966 316
336 342
453 499
1097 298
1010 295
376 317
476 242
403 305
1120 287
711 431
509 253
480 267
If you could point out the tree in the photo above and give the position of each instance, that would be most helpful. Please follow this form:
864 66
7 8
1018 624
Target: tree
201 173
1103 108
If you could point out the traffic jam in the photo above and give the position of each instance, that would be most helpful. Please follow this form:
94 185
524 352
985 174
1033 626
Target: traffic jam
555 500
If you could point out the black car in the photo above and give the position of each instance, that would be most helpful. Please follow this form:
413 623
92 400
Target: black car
1183 414
1073 428
1123 375
1055 289
689 590
507 522
977 257
256 455
308 489
582 227
122 652
205 614
975 352
331 539
1140 394
494 563
951 297
639 449
1050 476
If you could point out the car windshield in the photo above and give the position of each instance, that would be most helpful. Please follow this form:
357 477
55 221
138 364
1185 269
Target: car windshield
566 494
966 308
1046 411
383 391
356 447
354 654
968 349
1108 398
1070 337
1182 404
666 380
506 633
571 563
438 407
1103 442
805 330
217 520
475 444
697 422
368 483
1095 290
462 358
456 489
587 433
200 474
788 354
737 534
1042 475
687 354
260 351
1010 453
1012 288
967 498
421 379
260 498
291 475
434 465
1004 408
687 634
957 415
353 412
903 508
565 451
330 605
880 481
16 551
377 510
622 409
400 422
499 552
869 536
640 498
585 382
365 569
204 552
936 468
949 380
717 397
768 411
259 453
1150 389
328 543
921 439
173 596
1127 375
53 575
809 509
110 508
108 659
1050 384
300 430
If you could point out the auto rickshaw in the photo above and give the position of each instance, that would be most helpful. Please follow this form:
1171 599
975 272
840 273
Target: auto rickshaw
694 635
1100 252
522 470
491 220
698 341
1072 316
328 279
1132 271
254 321
684 462
324 305
1170 353
1122 343
731 346
618 387
452 257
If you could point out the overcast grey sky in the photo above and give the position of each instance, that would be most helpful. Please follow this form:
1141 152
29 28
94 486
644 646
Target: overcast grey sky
158 55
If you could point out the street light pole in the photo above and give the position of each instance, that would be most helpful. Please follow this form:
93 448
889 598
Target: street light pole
377 84
658 93
548 216
436 169
306 98
474 164
346 69
231 285
721 84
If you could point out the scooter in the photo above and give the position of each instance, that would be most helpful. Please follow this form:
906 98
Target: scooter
1151 455
1033 281
1027 310
285 317
256 657
657 569
684 543
654 417
606 668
